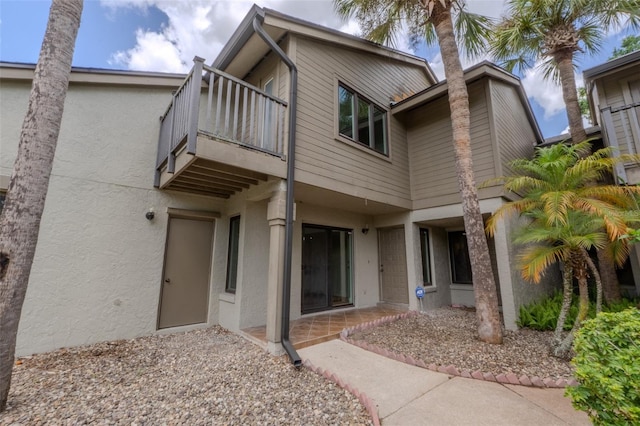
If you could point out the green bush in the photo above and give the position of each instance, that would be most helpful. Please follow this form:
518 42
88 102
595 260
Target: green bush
543 314
607 368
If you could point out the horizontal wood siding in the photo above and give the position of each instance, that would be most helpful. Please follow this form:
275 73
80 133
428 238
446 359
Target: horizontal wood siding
319 155
431 154
514 136
613 96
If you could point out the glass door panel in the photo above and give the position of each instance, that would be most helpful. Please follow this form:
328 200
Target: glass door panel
327 275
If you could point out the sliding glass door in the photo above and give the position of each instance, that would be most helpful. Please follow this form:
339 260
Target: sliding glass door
327 274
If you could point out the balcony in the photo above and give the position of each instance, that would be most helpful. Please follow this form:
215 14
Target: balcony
219 135
621 129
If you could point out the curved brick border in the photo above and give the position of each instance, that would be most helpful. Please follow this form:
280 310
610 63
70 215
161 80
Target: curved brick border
362 397
452 370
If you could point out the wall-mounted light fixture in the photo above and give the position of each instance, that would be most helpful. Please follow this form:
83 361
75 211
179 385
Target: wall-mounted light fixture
150 214
365 230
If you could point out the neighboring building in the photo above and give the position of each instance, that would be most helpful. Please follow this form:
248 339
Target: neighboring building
613 93
124 253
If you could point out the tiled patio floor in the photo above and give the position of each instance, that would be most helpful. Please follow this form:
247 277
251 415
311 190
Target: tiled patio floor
317 328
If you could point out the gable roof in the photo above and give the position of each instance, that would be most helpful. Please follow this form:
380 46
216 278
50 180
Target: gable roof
471 74
628 60
244 46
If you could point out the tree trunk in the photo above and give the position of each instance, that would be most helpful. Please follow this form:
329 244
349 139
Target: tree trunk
564 349
564 61
20 220
567 296
486 298
596 277
610 283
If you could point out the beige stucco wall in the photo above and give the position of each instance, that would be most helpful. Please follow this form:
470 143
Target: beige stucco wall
97 270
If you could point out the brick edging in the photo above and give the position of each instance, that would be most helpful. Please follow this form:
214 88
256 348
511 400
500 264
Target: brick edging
452 370
367 402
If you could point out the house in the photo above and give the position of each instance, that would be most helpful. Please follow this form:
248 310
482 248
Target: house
304 170
613 94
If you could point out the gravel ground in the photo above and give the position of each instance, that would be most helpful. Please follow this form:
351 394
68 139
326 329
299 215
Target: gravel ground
200 377
449 337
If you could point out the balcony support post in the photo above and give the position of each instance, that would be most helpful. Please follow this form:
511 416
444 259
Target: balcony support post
194 105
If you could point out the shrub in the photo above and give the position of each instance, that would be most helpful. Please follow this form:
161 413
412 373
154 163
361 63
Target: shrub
606 362
543 314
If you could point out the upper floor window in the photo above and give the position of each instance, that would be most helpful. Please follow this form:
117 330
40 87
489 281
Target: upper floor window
361 120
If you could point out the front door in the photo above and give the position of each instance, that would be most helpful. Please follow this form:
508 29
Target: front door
327 276
393 266
185 283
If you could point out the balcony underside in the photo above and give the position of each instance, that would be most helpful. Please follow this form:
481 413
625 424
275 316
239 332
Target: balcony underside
220 168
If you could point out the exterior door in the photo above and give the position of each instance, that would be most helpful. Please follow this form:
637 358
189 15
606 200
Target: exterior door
327 276
393 266
185 283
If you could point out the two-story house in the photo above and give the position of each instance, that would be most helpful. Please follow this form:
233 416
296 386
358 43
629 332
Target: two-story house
304 170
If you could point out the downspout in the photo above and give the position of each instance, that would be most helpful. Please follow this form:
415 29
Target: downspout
288 229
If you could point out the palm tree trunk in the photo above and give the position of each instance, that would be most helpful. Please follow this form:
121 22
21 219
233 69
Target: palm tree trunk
567 296
610 283
564 349
564 60
486 298
596 277
20 220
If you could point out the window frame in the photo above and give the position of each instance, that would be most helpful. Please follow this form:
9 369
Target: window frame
231 280
373 107
452 258
425 255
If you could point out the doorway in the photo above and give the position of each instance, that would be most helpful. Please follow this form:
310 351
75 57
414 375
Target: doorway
393 266
184 295
327 273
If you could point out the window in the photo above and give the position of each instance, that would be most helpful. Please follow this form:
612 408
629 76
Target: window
361 120
232 259
426 257
459 258
2 195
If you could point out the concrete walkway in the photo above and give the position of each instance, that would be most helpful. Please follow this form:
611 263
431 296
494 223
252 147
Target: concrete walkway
409 395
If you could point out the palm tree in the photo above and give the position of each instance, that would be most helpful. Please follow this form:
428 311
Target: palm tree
567 216
20 219
432 20
551 33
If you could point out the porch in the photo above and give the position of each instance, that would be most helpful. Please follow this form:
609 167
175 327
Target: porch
220 135
313 329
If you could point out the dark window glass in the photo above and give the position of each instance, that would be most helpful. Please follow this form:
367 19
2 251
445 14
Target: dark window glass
426 257
380 130
460 262
345 118
361 120
2 195
232 259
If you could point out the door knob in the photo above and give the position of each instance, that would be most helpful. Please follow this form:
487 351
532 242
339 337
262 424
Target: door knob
167 280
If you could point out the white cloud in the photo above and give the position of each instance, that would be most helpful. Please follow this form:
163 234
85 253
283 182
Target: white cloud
202 27
545 92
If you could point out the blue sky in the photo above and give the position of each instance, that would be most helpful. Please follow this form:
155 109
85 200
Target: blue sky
164 35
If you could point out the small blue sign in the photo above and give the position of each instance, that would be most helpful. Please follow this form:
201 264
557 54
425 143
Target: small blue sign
419 292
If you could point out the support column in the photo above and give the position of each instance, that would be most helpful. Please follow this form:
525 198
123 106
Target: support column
276 214
414 261
506 263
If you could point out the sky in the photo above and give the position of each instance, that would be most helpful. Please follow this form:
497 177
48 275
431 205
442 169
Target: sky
165 35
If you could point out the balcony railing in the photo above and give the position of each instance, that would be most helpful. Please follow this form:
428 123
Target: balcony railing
232 111
621 126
